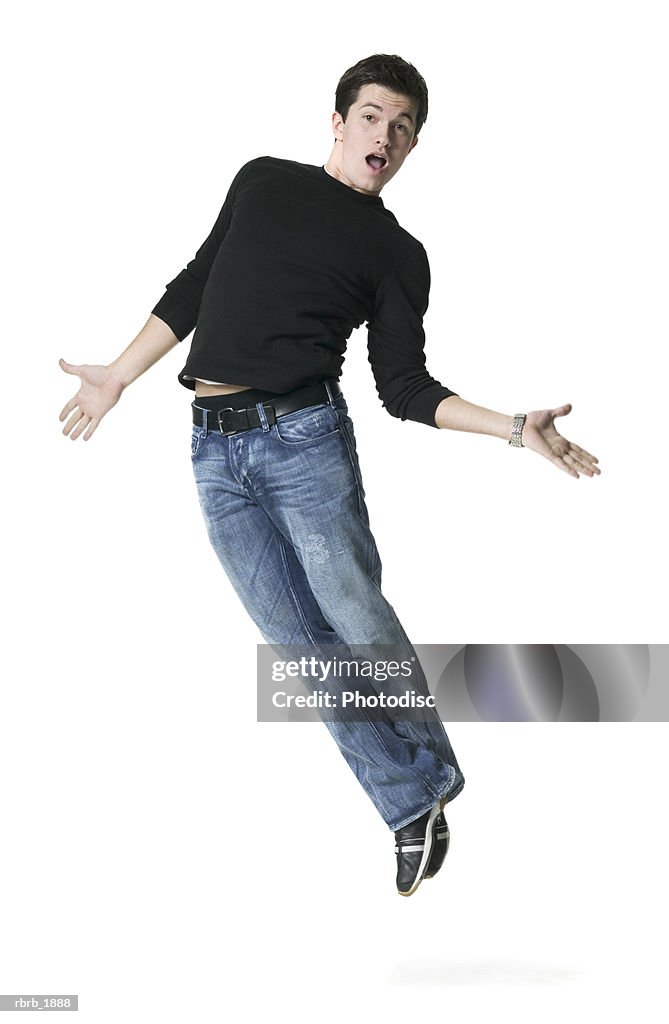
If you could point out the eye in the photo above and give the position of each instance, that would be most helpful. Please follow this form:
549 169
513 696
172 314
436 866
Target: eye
368 115
402 126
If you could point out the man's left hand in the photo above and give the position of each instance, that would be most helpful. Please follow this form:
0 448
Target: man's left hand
540 435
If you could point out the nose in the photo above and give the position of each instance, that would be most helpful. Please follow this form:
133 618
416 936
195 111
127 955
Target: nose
382 136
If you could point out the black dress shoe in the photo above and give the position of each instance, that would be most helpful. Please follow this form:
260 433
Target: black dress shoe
413 846
441 838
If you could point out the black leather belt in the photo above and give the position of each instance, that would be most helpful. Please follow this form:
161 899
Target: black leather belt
233 421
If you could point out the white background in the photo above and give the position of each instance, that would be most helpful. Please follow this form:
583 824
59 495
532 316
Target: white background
164 856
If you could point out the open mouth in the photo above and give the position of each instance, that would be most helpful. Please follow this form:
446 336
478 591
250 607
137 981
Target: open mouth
376 162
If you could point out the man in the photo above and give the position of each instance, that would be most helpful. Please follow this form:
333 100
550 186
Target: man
298 257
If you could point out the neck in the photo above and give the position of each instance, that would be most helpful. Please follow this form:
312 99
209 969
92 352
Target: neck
334 168
332 164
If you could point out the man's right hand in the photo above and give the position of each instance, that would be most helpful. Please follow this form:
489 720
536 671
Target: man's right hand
99 392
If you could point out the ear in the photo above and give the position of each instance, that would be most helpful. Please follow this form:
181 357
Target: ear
414 142
337 125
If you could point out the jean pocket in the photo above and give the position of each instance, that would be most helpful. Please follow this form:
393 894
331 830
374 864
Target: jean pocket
307 426
196 437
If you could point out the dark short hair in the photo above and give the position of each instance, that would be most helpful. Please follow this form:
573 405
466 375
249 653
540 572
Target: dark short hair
384 69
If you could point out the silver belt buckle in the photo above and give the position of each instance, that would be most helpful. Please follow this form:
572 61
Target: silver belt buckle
219 421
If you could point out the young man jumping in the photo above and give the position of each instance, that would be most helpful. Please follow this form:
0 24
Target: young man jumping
298 257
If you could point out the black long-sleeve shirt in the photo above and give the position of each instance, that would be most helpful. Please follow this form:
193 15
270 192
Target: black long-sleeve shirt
295 261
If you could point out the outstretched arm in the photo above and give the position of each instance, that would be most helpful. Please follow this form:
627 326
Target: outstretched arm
539 432
102 386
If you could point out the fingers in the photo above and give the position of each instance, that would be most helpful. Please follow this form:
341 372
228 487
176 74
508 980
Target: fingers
89 433
567 459
588 464
74 419
68 367
575 464
83 423
583 460
575 467
544 439
79 422
72 404
561 461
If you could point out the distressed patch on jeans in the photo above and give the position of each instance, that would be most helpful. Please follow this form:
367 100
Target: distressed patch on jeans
316 549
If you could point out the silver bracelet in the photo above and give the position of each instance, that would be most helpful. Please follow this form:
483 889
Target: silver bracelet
516 439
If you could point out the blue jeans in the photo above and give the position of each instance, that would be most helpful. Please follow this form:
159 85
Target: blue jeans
284 507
